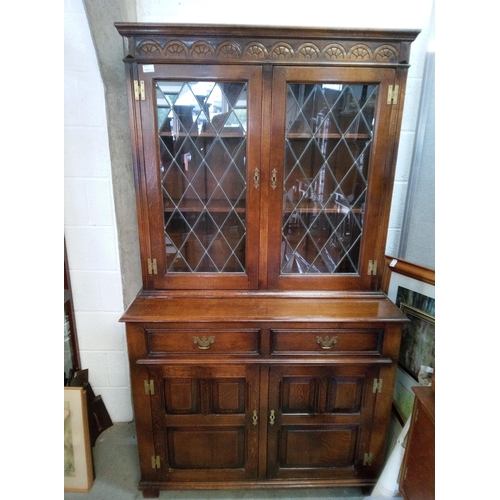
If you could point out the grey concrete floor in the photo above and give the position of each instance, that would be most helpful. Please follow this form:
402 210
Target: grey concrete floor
117 475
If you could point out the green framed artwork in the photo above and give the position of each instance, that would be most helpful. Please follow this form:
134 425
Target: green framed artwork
418 339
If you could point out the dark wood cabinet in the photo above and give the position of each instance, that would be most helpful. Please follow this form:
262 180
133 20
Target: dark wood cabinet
262 351
234 391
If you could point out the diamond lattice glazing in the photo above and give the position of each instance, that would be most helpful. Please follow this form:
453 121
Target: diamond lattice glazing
202 140
327 149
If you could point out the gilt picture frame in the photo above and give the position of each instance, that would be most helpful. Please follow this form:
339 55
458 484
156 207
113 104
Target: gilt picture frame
78 466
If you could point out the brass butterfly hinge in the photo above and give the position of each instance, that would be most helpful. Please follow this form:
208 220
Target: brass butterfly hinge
367 459
377 386
155 462
152 267
139 92
392 94
149 387
372 267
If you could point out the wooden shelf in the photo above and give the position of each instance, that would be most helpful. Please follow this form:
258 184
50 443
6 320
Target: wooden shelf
351 137
195 206
314 208
206 135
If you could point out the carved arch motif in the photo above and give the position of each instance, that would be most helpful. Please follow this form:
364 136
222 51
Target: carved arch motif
255 50
360 52
201 49
308 51
282 50
228 49
334 51
175 48
386 53
148 47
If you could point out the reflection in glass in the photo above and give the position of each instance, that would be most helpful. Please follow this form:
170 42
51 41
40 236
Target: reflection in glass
329 129
202 138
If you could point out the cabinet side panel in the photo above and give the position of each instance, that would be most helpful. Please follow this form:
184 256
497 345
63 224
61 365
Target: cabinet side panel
142 405
419 464
383 403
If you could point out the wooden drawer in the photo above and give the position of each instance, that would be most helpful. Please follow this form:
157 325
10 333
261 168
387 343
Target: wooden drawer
350 341
161 342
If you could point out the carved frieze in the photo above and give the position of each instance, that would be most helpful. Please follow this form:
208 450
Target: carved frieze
171 44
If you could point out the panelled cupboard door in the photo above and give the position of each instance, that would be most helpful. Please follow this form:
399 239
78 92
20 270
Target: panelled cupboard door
329 175
320 421
200 175
206 422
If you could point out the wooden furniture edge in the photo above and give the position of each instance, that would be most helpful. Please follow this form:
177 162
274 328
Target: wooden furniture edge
420 273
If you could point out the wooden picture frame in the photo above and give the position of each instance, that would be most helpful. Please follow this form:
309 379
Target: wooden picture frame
412 288
78 467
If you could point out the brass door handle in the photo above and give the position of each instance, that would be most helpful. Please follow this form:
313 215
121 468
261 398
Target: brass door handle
272 417
326 343
204 343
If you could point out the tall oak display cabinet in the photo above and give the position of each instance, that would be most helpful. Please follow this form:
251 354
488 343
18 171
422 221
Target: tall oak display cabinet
262 352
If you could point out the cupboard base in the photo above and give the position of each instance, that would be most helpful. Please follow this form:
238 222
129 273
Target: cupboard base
152 489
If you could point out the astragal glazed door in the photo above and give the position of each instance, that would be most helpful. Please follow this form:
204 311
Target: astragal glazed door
330 137
200 148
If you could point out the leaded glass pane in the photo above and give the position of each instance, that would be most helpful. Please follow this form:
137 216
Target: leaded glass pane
202 142
329 132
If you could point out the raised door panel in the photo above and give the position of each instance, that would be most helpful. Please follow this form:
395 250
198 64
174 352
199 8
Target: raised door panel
321 421
201 149
330 171
204 421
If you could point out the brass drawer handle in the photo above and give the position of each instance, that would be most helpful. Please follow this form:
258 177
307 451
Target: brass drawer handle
204 343
255 417
272 417
274 178
326 343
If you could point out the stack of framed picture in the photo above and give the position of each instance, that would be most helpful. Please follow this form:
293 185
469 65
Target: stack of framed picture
412 289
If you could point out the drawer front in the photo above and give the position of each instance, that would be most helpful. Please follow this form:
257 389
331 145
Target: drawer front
161 342
322 342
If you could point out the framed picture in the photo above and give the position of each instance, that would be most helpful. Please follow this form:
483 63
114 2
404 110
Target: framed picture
78 470
403 395
418 340
411 288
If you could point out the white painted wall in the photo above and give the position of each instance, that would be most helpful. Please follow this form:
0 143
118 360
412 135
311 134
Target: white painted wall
89 220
